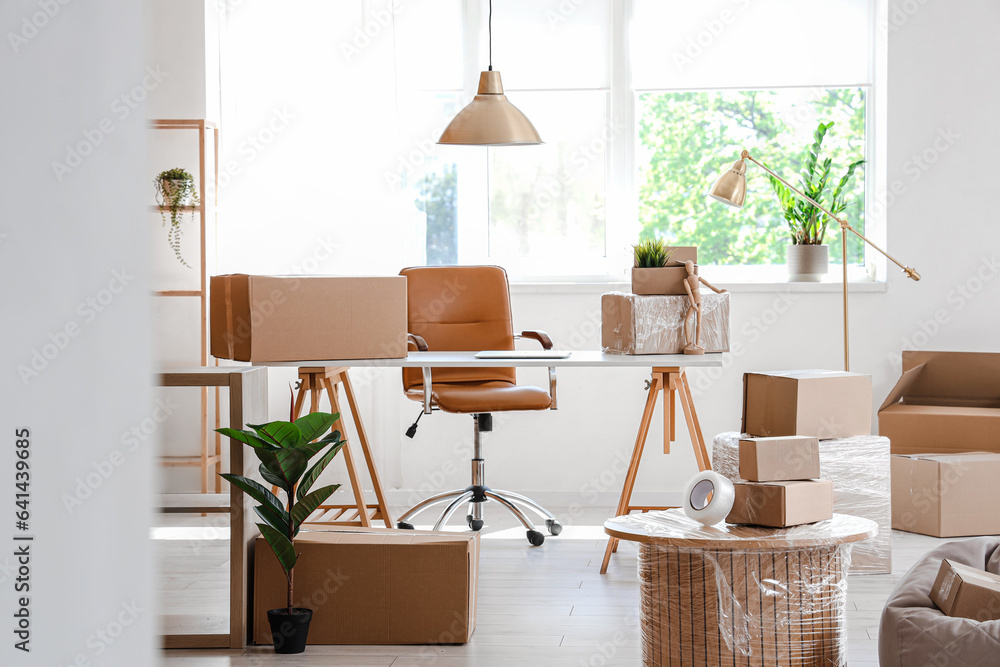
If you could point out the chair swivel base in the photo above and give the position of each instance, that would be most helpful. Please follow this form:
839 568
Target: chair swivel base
476 496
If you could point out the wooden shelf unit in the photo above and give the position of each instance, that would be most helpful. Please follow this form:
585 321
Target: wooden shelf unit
211 458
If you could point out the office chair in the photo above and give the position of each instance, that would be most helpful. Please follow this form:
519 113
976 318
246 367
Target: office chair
452 308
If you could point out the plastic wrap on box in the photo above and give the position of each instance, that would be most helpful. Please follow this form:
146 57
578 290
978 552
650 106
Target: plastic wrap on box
743 595
859 469
635 324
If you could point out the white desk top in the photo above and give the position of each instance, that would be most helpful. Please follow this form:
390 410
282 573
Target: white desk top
579 359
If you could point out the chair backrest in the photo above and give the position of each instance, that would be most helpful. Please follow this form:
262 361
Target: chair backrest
459 308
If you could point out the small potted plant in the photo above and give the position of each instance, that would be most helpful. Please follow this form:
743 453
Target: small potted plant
808 256
174 191
659 268
284 449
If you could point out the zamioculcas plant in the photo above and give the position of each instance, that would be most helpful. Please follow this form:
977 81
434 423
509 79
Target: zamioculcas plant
806 223
285 449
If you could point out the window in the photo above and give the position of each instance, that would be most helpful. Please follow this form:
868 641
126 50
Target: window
641 104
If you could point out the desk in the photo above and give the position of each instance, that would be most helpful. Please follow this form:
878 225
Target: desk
741 595
667 376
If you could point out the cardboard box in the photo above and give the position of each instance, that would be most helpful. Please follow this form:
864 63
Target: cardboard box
944 402
791 457
375 586
859 470
824 404
660 280
946 495
635 324
782 504
307 318
966 592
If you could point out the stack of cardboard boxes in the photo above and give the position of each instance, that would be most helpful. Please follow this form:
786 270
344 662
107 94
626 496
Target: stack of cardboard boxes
783 487
834 408
943 419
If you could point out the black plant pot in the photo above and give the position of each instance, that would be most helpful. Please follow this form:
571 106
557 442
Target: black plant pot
289 631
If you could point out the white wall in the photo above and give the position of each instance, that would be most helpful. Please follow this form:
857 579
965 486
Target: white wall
76 311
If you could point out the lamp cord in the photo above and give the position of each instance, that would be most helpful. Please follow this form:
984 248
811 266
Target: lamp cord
489 29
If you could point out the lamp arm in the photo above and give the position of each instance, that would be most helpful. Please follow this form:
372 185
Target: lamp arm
844 225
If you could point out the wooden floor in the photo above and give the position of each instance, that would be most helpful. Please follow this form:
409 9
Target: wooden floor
545 606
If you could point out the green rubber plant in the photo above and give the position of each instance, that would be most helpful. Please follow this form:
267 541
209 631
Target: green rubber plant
284 449
807 225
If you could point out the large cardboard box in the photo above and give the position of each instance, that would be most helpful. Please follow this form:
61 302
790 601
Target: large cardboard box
966 592
634 324
375 586
779 459
946 495
307 318
824 404
859 470
782 504
944 402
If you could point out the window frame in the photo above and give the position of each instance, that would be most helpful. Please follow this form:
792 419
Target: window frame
621 168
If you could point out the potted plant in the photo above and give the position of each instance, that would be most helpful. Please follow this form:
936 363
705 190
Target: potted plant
659 268
284 449
174 191
808 256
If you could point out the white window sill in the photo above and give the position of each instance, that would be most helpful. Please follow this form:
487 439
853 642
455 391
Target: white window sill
601 287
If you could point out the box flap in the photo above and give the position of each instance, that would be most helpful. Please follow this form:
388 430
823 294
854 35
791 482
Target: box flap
903 385
963 457
954 378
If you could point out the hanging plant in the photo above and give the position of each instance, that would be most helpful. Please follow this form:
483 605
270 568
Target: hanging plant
174 191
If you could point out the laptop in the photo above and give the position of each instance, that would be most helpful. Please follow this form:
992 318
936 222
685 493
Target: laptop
523 354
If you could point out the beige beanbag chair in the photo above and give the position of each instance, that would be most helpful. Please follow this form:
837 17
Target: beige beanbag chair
913 632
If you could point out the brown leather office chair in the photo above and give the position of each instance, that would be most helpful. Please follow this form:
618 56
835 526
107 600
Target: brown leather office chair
453 308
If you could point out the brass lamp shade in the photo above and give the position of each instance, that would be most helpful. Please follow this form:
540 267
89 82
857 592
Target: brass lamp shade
490 120
731 188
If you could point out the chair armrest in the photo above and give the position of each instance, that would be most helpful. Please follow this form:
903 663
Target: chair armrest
540 336
417 341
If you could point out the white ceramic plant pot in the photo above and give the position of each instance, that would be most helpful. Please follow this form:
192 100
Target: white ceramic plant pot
808 263
171 185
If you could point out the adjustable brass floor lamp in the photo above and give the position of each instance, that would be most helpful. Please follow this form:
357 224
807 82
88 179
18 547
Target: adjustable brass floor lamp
731 189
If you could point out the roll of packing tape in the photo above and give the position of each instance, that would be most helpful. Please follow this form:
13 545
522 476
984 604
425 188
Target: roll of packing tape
703 509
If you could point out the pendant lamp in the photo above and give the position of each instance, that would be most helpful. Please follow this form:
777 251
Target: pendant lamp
490 119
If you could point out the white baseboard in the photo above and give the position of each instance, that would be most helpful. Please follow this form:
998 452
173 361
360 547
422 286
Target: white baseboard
607 500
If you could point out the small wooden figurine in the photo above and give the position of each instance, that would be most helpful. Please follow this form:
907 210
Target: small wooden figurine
692 284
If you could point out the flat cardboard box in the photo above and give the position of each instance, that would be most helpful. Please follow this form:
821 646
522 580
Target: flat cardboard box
375 586
962 591
782 504
636 324
785 458
946 495
944 402
307 318
823 404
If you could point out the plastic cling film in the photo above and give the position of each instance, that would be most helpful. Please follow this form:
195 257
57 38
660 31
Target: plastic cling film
638 324
763 607
859 469
704 509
